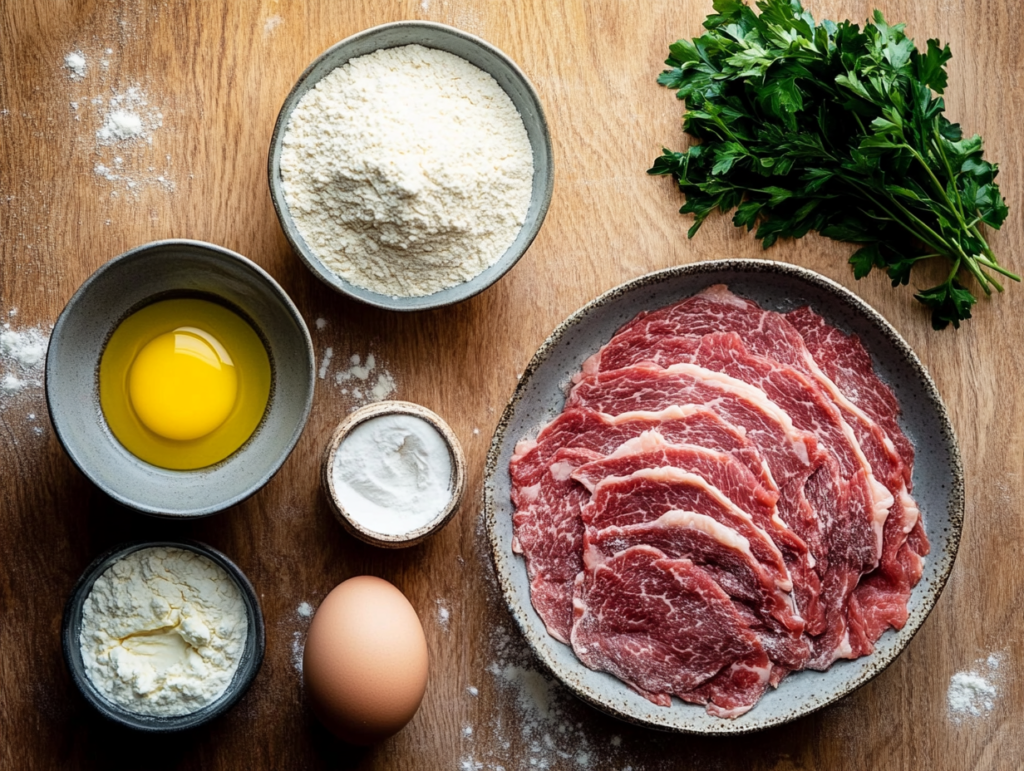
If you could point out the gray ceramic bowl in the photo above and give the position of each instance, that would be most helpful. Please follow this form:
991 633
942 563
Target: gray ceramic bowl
457 482
938 477
477 52
156 271
248 666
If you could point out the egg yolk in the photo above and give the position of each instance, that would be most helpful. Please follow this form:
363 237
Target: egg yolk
183 384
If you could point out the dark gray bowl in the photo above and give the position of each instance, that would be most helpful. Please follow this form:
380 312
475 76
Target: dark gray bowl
539 397
476 52
248 666
122 286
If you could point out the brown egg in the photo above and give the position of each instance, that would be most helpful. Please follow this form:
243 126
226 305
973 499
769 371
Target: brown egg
365 664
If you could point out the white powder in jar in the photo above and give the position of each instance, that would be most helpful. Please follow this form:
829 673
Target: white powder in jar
407 171
163 631
393 474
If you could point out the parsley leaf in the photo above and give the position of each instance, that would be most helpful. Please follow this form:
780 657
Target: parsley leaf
841 130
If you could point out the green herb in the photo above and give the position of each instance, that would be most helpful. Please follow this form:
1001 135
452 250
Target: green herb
829 128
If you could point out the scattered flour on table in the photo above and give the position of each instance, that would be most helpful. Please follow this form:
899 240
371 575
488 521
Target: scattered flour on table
357 370
12 384
444 616
321 323
22 410
377 385
407 170
22 360
129 117
125 124
75 64
304 614
298 647
271 24
973 693
362 381
120 125
326 362
24 349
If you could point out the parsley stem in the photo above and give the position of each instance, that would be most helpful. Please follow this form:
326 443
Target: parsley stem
956 269
867 193
953 249
957 213
985 247
997 268
949 169
974 270
915 226
996 284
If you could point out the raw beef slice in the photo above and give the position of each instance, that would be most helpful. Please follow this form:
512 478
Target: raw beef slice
850 505
726 556
841 366
666 627
546 525
791 455
810 409
772 335
549 533
651 451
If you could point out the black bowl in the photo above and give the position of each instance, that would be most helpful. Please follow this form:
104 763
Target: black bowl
248 665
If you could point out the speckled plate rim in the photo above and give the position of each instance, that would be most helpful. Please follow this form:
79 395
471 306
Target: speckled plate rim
540 201
249 666
457 481
614 697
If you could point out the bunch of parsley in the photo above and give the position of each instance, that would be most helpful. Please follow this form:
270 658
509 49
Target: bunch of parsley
829 128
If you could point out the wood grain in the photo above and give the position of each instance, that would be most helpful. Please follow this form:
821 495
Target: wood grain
217 73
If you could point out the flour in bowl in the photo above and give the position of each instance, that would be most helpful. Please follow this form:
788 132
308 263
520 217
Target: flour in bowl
407 171
163 631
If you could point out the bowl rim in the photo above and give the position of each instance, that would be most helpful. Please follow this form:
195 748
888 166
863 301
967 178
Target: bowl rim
290 229
458 478
220 252
245 674
549 347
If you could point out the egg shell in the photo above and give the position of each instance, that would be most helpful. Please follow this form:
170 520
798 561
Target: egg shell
365 661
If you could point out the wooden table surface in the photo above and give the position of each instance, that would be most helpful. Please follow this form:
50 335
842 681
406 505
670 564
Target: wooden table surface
213 76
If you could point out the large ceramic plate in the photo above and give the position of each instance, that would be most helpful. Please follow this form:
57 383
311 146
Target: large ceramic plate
540 396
